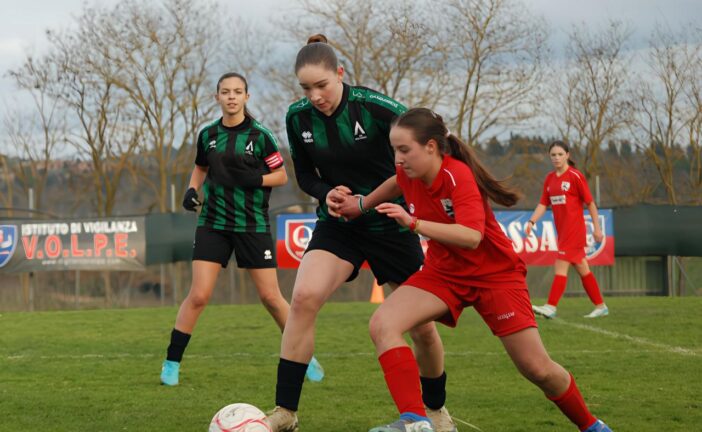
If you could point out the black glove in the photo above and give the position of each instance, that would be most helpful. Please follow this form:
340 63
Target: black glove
190 200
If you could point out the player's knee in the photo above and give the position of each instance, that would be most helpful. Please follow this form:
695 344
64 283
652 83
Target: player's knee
425 334
537 372
306 299
198 301
376 327
270 300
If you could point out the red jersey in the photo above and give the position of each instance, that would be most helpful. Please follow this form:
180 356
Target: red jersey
566 195
453 198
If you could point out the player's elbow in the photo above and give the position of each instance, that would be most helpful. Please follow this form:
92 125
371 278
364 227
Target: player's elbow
469 238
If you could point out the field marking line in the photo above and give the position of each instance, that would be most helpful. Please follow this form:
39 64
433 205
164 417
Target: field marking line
466 423
633 339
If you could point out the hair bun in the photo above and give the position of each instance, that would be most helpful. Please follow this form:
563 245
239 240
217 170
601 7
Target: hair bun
317 38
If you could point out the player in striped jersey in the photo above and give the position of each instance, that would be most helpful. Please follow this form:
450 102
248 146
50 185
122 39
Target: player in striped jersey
566 190
237 164
338 137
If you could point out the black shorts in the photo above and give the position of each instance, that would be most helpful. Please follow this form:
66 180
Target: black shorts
252 250
392 256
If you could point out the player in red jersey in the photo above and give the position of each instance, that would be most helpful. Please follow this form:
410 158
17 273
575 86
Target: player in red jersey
566 190
469 262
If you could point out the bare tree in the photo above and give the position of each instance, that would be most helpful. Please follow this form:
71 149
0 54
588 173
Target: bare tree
497 63
591 98
36 136
159 58
663 112
693 127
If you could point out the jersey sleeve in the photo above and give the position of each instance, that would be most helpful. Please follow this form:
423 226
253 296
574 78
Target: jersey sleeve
468 203
271 153
383 109
583 189
544 194
305 171
201 155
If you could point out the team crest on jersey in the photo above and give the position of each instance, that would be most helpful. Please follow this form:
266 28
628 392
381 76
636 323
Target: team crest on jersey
448 207
298 233
565 186
8 243
411 208
592 248
358 132
307 137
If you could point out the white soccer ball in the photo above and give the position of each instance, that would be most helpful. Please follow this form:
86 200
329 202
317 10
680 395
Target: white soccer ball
239 417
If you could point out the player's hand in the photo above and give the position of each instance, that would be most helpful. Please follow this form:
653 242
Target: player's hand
349 209
598 235
396 212
335 198
190 200
527 228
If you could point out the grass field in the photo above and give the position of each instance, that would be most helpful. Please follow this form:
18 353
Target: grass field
640 369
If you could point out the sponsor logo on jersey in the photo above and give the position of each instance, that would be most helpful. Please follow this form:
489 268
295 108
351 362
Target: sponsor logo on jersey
298 233
357 93
558 199
307 137
383 99
565 186
249 148
267 255
8 243
358 132
448 207
212 145
302 103
411 208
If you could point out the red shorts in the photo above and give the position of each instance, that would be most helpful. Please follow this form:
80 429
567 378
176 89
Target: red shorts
573 256
505 310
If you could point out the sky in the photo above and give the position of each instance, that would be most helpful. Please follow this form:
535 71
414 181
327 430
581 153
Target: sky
23 24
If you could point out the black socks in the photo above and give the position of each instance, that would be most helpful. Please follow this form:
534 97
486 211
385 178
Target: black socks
179 341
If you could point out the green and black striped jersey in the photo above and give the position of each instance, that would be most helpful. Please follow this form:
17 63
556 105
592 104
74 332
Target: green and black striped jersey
236 209
351 148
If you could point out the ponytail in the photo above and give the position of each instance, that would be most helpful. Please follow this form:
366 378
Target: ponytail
425 124
565 147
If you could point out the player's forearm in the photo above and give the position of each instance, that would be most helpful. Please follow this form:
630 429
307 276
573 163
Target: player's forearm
538 212
592 208
197 177
387 191
277 177
450 234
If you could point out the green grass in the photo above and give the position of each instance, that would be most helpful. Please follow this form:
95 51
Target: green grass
98 370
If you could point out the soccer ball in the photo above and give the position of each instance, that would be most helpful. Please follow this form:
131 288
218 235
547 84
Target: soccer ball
239 417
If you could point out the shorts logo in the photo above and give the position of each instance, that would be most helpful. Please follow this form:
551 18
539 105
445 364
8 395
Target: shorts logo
8 243
565 186
448 207
505 316
307 137
298 233
411 208
267 255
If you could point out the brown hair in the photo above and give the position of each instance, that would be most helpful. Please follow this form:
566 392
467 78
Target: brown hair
565 147
425 125
317 52
246 87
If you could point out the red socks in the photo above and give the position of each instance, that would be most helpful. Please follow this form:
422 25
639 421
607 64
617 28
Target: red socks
571 403
557 289
592 289
402 378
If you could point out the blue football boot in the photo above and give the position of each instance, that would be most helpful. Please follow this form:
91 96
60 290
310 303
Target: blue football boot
315 371
169 373
598 426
